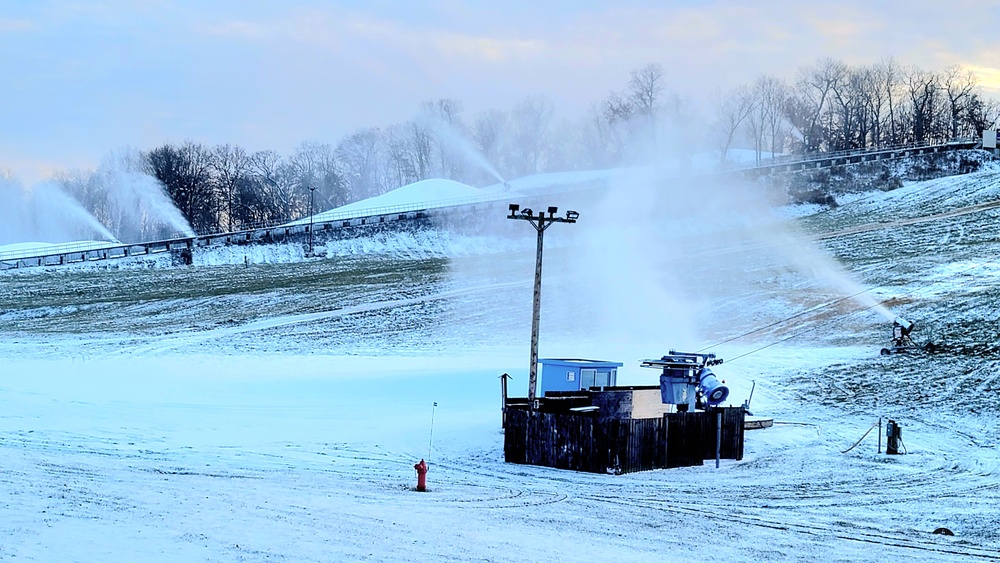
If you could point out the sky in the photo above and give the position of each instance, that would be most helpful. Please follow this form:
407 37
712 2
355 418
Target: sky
83 78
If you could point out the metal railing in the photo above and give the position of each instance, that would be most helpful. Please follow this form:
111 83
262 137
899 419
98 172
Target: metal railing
846 153
370 212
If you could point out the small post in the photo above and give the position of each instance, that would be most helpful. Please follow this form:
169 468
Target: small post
503 399
718 437
879 435
312 190
430 441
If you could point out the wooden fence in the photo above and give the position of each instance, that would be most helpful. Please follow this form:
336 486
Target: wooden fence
606 445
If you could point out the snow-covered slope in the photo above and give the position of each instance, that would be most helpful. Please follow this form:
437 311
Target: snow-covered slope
425 194
265 411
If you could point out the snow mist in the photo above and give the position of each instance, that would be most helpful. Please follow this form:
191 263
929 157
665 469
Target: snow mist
447 135
137 205
44 213
666 261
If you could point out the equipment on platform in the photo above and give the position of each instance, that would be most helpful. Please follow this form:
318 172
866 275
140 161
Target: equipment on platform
687 382
894 438
901 342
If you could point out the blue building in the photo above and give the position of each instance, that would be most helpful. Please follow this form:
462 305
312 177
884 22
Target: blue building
575 374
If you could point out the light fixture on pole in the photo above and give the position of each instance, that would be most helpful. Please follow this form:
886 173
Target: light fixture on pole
540 222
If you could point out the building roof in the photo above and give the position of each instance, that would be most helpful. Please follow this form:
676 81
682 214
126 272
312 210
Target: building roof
577 362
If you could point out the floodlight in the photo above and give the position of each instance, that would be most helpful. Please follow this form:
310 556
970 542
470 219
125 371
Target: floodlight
513 208
572 215
553 211
526 212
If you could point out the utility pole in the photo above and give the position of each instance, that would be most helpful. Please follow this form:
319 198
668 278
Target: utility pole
540 222
312 190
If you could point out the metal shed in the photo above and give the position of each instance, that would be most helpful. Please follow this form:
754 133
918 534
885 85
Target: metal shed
563 374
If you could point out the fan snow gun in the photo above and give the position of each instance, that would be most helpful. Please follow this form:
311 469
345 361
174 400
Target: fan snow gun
901 342
687 381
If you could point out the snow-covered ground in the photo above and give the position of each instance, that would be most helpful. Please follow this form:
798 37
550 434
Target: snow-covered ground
273 410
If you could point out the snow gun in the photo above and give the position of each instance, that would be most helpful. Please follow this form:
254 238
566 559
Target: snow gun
687 381
901 342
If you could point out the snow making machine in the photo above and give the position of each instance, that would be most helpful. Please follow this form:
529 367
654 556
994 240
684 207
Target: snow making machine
687 382
901 343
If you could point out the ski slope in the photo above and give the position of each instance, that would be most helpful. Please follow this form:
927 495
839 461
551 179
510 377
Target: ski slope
273 410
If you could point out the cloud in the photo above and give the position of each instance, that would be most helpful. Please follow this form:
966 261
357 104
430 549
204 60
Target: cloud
92 76
16 25
233 29
989 77
491 49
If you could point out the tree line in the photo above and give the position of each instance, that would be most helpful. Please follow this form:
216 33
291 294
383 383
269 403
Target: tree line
829 106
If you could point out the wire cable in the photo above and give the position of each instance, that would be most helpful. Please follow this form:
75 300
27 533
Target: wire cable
814 327
818 307
785 320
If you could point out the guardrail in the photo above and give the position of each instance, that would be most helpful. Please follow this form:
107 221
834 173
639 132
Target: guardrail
821 156
371 212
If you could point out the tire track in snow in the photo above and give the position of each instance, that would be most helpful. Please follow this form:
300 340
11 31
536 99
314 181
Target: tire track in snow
861 534
913 221
173 342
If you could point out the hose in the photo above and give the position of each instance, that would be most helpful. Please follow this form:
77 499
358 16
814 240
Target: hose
861 438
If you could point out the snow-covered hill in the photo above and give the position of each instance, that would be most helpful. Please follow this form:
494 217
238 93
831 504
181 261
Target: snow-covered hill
265 411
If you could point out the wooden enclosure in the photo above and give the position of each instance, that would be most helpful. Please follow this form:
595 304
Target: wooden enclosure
582 442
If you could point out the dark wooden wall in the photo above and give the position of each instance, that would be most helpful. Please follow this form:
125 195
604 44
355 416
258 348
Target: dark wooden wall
608 445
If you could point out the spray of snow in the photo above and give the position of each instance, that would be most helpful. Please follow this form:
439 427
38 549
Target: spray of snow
138 206
44 213
809 259
447 135
654 262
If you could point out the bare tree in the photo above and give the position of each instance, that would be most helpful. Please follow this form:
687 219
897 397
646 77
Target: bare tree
618 112
644 88
815 86
766 121
490 132
401 155
731 112
444 122
983 114
186 172
270 198
317 178
423 148
923 91
887 74
959 87
530 121
231 165
362 155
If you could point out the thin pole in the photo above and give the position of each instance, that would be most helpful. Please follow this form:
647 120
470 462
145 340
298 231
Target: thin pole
718 438
880 434
431 441
503 400
536 312
312 190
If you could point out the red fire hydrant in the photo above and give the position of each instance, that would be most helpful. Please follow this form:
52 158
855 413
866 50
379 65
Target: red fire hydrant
421 476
